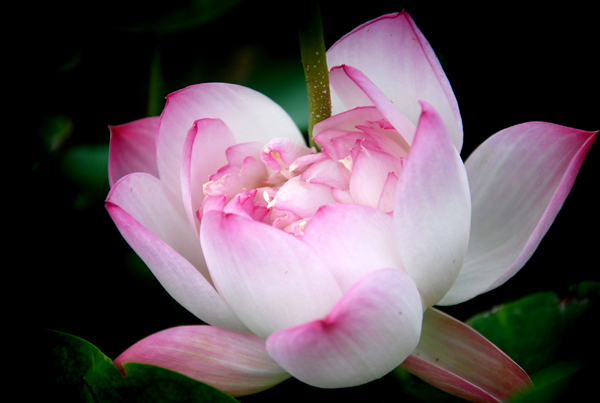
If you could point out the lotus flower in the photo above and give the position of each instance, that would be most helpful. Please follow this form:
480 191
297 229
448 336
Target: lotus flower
326 265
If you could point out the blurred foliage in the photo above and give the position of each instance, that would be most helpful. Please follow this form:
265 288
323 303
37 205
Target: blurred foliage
183 15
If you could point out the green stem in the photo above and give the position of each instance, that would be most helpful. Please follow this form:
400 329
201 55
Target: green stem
312 48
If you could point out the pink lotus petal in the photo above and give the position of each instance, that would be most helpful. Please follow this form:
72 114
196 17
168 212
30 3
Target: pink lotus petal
369 332
393 53
370 170
354 240
433 209
519 180
269 278
133 149
249 115
347 121
355 89
236 363
250 175
301 198
203 153
342 195
305 160
388 195
328 172
454 357
280 153
167 244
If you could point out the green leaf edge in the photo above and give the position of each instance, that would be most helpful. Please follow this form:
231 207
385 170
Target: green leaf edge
82 371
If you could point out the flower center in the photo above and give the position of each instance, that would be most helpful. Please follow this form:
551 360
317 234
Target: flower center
285 183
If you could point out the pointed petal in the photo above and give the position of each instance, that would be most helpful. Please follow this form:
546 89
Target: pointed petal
249 115
454 357
433 209
388 195
354 240
519 180
203 154
368 333
393 53
355 90
133 149
269 278
161 236
236 363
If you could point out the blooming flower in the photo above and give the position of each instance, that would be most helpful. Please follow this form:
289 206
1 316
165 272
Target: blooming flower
326 265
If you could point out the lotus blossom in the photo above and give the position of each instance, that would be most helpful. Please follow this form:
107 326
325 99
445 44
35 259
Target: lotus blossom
326 265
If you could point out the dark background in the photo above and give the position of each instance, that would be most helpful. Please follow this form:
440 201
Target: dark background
80 69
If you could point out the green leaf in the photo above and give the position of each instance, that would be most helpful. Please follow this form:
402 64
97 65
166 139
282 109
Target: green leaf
534 329
77 371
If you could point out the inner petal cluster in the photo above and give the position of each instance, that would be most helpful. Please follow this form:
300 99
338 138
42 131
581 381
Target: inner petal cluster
284 183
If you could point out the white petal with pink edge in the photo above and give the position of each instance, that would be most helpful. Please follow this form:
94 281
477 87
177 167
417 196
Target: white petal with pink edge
165 250
355 89
268 277
235 363
393 53
249 115
519 180
133 149
353 240
433 209
456 358
369 332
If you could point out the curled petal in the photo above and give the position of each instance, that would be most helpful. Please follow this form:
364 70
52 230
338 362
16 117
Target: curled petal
454 357
519 180
355 89
433 209
133 149
368 333
393 53
236 363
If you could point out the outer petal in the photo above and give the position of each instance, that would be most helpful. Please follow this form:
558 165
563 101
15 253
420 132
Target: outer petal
203 154
161 236
133 149
519 180
233 362
355 90
397 58
269 278
433 209
455 358
354 240
368 333
249 115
